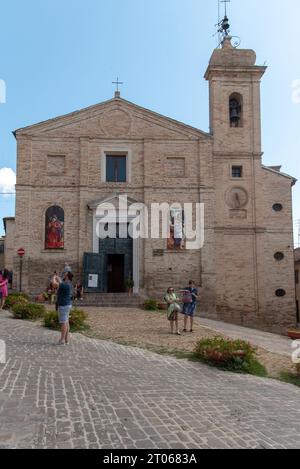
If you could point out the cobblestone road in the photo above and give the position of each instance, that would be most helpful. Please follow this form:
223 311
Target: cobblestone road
96 394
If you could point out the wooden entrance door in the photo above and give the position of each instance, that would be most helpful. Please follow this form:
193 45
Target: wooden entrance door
116 273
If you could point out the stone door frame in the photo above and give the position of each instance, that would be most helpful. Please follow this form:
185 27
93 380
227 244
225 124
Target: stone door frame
122 218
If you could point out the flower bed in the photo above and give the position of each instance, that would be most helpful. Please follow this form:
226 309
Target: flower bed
232 355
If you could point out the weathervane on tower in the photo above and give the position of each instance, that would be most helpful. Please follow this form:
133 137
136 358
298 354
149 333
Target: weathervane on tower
224 25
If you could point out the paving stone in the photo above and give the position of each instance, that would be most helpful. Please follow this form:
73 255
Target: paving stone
98 394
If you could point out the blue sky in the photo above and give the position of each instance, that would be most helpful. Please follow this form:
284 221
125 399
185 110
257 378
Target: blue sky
58 56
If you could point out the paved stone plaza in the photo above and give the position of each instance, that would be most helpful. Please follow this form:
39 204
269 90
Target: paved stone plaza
96 394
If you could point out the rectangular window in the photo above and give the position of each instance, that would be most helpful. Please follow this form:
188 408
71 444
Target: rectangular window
116 168
237 171
297 276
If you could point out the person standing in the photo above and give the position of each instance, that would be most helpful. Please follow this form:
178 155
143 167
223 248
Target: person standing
67 268
54 285
173 309
4 278
78 291
189 307
64 304
55 280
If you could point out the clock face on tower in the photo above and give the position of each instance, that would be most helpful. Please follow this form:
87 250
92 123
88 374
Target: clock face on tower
237 198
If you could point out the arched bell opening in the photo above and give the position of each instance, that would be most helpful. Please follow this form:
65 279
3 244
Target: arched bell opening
236 110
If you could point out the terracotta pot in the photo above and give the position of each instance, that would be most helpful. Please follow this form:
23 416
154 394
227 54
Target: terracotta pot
294 334
240 354
162 306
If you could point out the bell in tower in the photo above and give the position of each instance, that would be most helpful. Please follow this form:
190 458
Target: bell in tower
225 26
235 109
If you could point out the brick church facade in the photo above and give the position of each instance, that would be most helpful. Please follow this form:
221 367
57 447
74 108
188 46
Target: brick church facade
69 165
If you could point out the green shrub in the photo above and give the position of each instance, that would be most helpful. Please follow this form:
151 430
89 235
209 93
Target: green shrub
232 355
290 378
30 311
151 305
77 320
16 298
51 320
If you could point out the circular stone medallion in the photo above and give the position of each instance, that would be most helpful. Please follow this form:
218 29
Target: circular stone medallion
116 123
237 198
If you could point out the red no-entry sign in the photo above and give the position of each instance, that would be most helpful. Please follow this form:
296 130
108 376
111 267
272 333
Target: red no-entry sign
21 252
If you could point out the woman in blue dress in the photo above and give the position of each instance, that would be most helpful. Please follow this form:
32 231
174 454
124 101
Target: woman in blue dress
189 309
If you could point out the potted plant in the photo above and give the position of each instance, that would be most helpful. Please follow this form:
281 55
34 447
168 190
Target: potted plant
294 334
41 298
162 305
151 305
129 286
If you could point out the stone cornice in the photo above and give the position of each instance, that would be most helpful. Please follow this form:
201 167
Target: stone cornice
225 70
238 155
240 230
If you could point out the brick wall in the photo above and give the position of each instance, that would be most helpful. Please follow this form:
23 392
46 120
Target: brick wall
236 270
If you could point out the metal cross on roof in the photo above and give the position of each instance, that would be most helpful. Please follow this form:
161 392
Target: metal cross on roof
119 82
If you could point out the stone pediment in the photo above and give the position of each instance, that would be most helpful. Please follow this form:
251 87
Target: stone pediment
114 119
115 200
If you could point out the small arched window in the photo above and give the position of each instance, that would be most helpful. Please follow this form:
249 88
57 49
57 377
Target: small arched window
236 110
54 228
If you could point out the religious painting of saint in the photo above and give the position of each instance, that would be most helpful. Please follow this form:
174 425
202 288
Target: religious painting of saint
55 220
176 240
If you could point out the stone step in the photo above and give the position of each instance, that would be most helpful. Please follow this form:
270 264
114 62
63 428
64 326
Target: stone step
97 305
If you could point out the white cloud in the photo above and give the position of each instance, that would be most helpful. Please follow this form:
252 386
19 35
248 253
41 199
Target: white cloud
7 181
296 92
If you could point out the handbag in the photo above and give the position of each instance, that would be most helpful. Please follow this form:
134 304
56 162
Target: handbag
187 297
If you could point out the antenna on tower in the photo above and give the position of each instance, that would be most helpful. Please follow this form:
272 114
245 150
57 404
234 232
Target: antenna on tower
223 26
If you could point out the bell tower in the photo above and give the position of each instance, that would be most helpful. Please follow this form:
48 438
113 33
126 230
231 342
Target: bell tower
234 90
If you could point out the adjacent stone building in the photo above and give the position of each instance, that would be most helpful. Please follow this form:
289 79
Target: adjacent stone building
70 165
297 281
9 244
2 263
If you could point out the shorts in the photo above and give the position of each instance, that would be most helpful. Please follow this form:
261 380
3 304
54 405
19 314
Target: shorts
64 313
189 309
